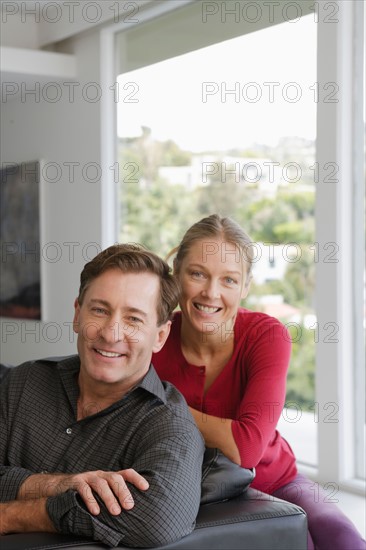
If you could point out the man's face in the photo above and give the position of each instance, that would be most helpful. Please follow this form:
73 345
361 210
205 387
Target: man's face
117 329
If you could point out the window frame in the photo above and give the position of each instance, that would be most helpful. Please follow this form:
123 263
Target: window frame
340 140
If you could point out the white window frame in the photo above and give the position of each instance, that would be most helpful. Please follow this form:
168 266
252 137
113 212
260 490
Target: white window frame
339 369
340 140
108 76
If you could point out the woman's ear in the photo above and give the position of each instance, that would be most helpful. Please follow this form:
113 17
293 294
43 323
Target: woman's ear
246 280
246 288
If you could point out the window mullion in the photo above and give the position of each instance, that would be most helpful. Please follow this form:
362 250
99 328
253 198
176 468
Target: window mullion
334 220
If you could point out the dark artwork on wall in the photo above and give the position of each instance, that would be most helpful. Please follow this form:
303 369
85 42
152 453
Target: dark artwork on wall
20 295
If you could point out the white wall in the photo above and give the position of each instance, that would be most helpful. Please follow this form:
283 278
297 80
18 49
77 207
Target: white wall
14 32
59 132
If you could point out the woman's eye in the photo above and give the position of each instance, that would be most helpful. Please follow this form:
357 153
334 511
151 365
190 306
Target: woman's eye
230 281
197 274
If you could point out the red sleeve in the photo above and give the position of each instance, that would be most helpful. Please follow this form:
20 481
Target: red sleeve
266 353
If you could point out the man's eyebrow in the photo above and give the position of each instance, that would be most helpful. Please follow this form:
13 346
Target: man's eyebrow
136 310
99 301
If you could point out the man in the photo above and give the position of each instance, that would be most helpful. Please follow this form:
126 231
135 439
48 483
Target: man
95 444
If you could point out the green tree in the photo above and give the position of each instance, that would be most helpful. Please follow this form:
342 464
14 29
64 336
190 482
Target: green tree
172 155
300 276
265 215
301 376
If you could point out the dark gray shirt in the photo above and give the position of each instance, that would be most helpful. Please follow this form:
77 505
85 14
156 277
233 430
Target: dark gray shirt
150 430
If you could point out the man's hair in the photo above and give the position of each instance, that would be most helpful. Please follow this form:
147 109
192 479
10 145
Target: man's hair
133 258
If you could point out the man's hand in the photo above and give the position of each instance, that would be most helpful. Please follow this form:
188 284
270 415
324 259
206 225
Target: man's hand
109 486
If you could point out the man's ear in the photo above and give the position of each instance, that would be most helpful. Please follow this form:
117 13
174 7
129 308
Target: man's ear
75 322
162 335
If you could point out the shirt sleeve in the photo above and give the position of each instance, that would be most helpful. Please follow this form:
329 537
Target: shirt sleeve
11 478
268 351
165 512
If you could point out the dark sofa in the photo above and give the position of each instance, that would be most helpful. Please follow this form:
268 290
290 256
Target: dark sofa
252 521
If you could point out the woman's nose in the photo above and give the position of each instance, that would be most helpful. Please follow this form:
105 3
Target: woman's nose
211 289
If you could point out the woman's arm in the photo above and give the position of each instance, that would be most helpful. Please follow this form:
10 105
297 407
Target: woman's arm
245 438
217 433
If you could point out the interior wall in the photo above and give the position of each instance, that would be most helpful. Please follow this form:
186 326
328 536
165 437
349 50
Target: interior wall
199 25
65 136
15 32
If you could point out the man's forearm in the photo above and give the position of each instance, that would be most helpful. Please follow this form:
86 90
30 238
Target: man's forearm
40 486
24 517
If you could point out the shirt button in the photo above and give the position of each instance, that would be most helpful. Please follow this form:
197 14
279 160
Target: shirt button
68 431
202 369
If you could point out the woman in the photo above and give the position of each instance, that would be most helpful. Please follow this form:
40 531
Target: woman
231 364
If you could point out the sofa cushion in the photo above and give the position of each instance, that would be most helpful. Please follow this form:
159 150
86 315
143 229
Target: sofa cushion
222 479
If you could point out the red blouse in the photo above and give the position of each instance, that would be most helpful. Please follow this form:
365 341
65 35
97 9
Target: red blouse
250 390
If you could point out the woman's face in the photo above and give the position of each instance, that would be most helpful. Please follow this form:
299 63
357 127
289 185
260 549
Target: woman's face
213 277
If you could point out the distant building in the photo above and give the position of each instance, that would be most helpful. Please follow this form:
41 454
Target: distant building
270 261
189 176
263 173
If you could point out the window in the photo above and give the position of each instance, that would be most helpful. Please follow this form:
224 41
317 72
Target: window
244 146
340 223
338 153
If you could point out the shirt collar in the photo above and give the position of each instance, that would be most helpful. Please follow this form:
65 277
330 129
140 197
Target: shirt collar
152 383
70 366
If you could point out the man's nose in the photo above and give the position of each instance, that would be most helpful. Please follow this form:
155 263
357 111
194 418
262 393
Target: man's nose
119 331
112 331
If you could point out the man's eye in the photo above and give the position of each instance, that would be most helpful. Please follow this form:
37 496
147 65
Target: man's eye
133 319
99 310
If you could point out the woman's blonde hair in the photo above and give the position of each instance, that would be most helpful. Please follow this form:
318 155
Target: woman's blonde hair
214 227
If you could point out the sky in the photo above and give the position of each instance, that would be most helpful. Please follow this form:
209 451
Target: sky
272 74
